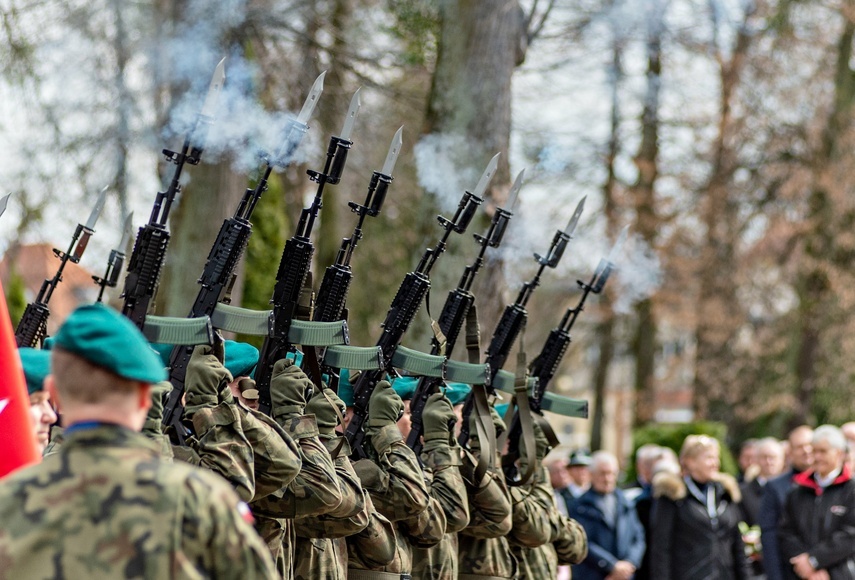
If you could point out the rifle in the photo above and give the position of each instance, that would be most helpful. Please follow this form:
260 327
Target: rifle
514 316
296 261
32 328
219 273
115 262
457 306
545 365
332 294
153 238
404 307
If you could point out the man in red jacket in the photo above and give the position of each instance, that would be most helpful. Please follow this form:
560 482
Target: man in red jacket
817 533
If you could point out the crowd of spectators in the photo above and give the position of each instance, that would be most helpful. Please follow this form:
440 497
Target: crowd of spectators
790 513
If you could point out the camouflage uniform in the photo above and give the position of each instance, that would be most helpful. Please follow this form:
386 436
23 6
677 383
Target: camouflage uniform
539 527
441 460
107 505
397 486
484 548
315 490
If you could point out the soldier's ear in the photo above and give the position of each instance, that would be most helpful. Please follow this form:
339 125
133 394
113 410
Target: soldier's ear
50 387
144 397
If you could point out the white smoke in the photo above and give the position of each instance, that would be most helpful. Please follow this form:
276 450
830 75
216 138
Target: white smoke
638 274
437 157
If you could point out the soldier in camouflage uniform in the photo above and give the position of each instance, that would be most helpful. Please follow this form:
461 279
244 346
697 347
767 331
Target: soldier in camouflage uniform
36 364
321 549
397 487
441 460
106 504
484 550
538 526
316 490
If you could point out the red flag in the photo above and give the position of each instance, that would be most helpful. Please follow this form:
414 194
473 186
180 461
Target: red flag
17 440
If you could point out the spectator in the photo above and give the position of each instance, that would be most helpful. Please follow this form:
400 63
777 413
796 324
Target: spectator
849 432
560 480
817 530
577 467
615 536
747 460
801 459
695 519
770 463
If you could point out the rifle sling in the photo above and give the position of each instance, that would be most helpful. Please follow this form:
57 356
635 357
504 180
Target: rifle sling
524 416
419 363
259 323
484 426
471 374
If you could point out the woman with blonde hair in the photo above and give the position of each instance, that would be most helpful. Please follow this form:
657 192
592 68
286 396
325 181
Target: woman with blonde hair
695 533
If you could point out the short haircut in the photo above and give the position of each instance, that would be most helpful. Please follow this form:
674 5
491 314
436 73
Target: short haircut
770 443
694 445
832 434
648 453
78 380
600 458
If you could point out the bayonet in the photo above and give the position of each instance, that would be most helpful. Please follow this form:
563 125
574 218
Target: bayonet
574 220
515 191
394 151
96 211
209 109
352 112
312 99
486 176
3 201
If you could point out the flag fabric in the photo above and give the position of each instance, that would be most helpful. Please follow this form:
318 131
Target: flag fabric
17 440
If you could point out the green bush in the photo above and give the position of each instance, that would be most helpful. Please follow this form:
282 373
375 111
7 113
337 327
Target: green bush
672 435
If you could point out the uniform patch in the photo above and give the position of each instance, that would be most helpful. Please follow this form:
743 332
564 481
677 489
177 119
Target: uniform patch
838 510
245 512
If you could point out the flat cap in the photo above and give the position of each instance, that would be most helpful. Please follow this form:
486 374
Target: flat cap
579 457
36 365
105 338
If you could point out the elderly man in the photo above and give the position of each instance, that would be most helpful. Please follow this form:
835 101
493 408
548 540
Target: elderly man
817 533
770 461
107 505
615 536
801 459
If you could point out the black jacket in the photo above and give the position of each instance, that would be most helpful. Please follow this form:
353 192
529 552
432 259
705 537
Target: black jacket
821 522
689 545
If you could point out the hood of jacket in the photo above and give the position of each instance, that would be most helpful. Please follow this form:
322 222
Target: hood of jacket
806 479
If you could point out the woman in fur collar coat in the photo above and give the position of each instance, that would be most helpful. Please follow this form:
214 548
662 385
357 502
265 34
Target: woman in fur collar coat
695 534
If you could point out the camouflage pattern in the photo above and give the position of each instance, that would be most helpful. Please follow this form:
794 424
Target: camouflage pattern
56 441
375 547
538 527
441 461
317 553
277 459
483 548
400 493
106 505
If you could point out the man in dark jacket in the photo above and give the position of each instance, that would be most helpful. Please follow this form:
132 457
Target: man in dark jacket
615 536
817 533
769 517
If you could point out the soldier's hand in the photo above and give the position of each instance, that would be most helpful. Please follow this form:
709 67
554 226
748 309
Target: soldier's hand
438 417
207 379
288 388
324 412
384 406
541 443
154 418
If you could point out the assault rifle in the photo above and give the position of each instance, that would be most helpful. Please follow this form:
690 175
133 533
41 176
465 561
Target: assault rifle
404 307
219 273
457 306
544 366
296 261
514 317
32 328
153 238
116 260
332 294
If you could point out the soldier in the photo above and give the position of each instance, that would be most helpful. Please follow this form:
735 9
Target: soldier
36 365
441 460
123 512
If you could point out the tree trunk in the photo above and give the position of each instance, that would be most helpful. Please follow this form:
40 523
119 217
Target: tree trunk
647 221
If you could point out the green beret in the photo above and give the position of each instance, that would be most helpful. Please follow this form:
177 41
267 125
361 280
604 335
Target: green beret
405 387
164 351
345 389
241 358
48 343
105 338
501 409
457 392
36 365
